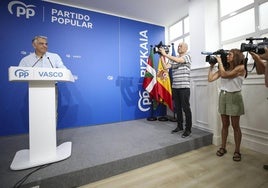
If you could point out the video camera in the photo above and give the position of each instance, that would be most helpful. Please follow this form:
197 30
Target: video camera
211 59
256 48
160 45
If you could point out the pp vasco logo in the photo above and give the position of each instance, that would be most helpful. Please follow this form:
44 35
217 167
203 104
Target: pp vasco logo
21 9
20 73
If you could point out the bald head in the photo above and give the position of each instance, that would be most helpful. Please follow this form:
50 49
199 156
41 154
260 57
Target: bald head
182 48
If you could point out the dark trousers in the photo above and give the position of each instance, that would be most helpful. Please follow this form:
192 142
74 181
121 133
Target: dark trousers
181 99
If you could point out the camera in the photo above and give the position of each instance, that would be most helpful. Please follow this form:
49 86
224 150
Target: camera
256 48
211 59
160 45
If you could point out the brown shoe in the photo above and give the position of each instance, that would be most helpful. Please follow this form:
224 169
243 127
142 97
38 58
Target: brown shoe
221 152
237 156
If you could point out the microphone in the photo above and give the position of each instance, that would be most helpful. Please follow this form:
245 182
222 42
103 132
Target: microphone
37 61
50 62
207 53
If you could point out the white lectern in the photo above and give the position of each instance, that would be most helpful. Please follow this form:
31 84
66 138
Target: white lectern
42 116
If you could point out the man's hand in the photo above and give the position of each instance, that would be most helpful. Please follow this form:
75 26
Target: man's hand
162 51
254 56
265 55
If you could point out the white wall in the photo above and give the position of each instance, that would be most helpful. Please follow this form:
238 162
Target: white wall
204 32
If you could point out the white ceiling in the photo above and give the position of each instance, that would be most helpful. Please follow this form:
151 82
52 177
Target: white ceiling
159 12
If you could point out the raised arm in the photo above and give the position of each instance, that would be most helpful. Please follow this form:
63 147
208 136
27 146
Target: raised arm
212 76
172 58
237 71
260 65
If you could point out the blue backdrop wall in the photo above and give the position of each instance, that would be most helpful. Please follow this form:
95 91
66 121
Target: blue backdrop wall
106 54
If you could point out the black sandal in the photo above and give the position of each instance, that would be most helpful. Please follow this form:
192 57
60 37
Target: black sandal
237 156
221 152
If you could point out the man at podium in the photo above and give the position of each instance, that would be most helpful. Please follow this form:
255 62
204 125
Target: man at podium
41 58
42 70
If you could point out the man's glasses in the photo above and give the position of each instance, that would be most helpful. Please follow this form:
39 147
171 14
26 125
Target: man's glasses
42 43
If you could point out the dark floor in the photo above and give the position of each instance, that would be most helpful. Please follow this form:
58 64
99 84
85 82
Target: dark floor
101 151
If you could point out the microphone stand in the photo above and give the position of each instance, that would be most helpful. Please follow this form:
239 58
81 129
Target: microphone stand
50 62
37 61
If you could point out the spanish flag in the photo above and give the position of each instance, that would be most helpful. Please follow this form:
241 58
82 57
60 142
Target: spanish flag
163 85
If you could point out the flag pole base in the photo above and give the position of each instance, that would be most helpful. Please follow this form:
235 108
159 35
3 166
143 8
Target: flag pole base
163 118
172 119
151 119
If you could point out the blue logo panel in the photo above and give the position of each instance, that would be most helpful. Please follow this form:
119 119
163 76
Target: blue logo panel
105 53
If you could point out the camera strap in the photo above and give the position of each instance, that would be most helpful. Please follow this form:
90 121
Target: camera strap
246 65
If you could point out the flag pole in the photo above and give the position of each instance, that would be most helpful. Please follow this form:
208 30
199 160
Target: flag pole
152 117
173 53
149 83
162 118
173 119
